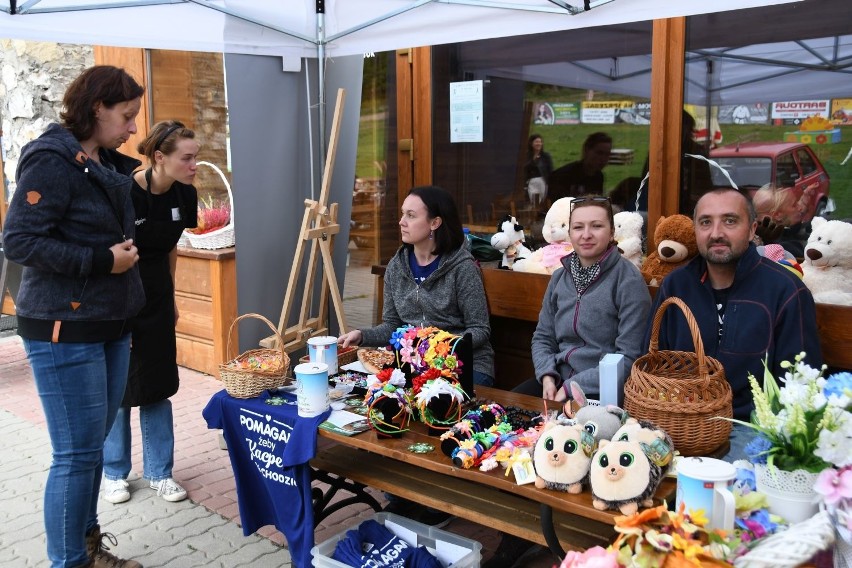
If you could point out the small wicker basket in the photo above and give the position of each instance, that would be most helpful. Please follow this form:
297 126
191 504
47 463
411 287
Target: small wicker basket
249 383
681 392
223 237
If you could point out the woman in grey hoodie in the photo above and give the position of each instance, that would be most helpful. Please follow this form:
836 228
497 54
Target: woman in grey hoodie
597 303
433 280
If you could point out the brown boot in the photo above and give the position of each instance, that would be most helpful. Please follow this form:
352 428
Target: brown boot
99 552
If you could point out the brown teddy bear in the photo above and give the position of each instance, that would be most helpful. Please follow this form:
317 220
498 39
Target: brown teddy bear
676 245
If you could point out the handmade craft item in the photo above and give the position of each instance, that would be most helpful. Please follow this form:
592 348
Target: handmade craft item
440 404
388 406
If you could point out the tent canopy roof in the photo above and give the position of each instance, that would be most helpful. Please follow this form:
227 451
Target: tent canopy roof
348 27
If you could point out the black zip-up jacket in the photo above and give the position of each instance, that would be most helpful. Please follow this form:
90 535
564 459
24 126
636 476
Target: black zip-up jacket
65 214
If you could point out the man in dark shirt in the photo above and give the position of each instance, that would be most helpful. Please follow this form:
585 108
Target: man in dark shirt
584 176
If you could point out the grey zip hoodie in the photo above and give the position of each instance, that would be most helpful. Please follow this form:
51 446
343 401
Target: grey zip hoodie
574 331
452 298
66 213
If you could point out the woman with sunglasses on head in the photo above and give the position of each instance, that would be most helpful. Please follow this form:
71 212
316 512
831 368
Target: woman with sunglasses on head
165 202
596 303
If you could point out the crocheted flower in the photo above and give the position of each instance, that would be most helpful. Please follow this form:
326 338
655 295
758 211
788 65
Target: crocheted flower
834 485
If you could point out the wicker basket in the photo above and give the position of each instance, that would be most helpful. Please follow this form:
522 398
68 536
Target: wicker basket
344 356
223 237
681 392
249 383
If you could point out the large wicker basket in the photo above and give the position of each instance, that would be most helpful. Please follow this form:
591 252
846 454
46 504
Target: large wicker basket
681 392
243 382
223 237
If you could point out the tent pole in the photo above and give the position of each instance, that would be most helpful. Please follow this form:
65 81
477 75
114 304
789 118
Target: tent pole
320 6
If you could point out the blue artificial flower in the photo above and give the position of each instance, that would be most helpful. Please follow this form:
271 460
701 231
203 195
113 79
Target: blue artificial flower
745 482
838 384
397 335
757 449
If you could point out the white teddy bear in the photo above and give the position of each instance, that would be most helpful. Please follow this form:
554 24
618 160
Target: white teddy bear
828 261
556 232
628 235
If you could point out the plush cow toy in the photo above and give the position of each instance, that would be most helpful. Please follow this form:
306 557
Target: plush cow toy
509 240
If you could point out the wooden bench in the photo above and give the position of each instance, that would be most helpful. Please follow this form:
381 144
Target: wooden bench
463 498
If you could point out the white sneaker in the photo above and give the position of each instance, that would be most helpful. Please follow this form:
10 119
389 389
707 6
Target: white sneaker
116 490
169 490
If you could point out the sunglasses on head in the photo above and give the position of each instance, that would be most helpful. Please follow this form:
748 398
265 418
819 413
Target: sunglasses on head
591 198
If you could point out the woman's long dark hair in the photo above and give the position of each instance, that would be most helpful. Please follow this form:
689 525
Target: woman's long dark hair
439 203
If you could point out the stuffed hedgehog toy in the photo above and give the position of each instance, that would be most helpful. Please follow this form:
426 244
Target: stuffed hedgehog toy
555 231
562 457
656 443
828 262
622 477
628 235
509 240
675 246
601 422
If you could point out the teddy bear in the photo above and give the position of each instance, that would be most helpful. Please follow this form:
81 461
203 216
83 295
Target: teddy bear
828 261
623 477
675 246
628 235
555 231
562 457
509 240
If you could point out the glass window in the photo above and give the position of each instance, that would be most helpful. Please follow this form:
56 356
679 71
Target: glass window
772 85
570 109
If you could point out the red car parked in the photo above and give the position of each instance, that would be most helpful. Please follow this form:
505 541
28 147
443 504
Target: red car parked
784 164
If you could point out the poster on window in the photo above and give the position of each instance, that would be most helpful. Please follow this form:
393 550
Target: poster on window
466 111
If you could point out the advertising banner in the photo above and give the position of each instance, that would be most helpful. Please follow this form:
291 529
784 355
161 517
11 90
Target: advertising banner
841 111
756 113
566 113
794 112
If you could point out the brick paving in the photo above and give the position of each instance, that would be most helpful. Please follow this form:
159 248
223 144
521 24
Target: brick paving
203 530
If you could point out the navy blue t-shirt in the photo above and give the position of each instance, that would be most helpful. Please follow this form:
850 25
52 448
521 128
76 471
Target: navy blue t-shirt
421 273
270 447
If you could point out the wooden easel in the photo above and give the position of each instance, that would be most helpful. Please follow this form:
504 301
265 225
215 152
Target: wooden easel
319 225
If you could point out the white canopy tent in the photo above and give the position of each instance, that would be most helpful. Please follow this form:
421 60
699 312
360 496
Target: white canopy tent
336 27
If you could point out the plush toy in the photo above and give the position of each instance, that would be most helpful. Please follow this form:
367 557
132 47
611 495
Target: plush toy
622 477
675 246
656 443
562 456
602 422
555 231
628 235
509 240
828 261
780 255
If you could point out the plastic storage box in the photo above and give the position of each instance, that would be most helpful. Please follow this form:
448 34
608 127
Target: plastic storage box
426 536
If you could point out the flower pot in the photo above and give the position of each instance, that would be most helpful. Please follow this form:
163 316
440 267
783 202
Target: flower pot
790 494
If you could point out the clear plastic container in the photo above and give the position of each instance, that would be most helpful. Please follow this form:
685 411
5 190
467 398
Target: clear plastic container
425 535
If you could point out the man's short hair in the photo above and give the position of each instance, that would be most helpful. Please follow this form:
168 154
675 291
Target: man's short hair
752 214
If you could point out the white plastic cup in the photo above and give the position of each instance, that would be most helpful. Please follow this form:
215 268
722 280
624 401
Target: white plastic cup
311 389
323 349
705 483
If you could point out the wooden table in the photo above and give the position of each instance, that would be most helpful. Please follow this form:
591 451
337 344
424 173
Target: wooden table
558 520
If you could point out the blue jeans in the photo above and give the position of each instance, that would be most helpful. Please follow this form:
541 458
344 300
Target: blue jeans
740 437
158 442
480 378
80 386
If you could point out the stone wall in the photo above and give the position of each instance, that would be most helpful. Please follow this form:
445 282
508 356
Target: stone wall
33 79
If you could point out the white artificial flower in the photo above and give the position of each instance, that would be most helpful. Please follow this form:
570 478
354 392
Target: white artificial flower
834 443
794 394
397 378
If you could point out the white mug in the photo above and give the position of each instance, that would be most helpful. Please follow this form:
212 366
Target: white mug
704 483
323 349
311 389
